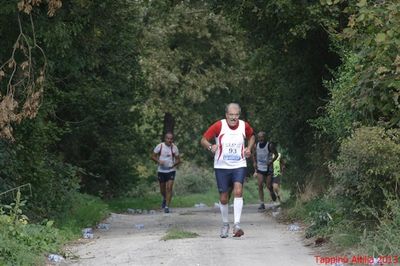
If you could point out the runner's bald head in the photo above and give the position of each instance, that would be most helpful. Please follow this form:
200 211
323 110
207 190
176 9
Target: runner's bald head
168 138
261 137
232 106
261 134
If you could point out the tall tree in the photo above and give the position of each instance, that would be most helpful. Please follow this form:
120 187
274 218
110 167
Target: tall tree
193 63
98 89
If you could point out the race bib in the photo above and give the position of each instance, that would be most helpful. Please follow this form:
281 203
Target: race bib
232 152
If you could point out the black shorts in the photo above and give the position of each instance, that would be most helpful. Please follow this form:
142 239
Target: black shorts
164 177
270 171
276 179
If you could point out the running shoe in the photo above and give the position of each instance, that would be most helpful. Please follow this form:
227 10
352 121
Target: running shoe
166 210
163 204
237 231
262 207
224 231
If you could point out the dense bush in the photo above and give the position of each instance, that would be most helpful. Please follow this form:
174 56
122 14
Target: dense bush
338 120
52 182
192 179
367 171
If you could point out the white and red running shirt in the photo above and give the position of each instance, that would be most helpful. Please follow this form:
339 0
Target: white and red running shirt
230 142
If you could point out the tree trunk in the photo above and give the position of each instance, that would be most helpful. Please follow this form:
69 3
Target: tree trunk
169 124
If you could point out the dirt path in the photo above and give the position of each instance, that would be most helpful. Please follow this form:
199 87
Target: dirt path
265 241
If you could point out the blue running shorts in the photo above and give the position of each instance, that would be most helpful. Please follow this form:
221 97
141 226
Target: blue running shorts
226 178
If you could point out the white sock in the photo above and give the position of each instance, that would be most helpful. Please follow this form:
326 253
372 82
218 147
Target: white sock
237 209
224 212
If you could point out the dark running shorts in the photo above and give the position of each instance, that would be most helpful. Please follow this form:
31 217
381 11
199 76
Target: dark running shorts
164 177
270 171
226 178
276 179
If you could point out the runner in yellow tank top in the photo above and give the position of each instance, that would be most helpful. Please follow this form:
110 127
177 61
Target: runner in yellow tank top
279 168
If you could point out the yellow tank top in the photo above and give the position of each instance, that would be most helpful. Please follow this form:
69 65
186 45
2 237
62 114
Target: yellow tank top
277 165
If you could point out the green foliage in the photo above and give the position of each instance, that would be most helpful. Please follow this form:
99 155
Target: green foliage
385 240
283 92
98 88
322 214
22 243
318 210
115 67
52 181
85 211
365 89
187 52
193 62
345 234
365 194
373 36
367 172
325 218
192 179
338 121
293 18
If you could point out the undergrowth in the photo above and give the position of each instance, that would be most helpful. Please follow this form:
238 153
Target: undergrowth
324 218
25 243
22 243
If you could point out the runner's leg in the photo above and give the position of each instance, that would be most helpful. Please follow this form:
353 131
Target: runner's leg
237 202
238 180
224 207
269 187
276 187
260 183
223 178
168 191
162 183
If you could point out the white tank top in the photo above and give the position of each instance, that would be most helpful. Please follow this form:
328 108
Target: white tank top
166 154
230 152
263 156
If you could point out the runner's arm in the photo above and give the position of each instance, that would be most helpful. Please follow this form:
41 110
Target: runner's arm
208 145
250 143
211 133
251 139
177 160
154 157
254 157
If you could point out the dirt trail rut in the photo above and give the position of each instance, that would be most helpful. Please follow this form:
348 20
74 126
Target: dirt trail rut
265 241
